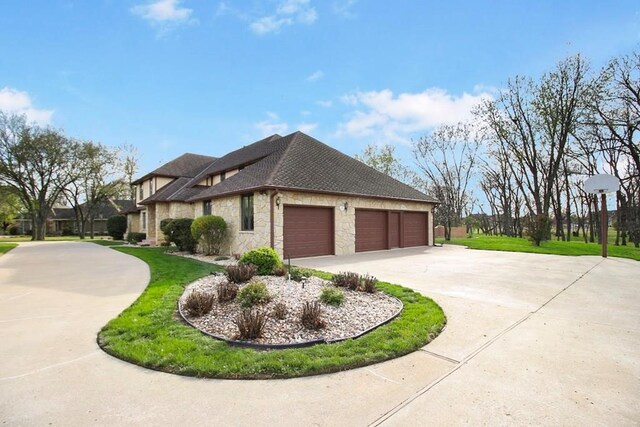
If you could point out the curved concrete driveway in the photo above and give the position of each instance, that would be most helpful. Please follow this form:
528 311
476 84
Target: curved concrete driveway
555 347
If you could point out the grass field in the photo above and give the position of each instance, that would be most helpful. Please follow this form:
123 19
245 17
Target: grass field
149 333
6 247
572 248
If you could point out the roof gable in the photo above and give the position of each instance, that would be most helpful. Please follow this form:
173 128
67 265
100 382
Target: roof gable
187 165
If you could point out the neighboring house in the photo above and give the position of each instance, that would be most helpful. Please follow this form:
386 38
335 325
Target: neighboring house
293 193
62 220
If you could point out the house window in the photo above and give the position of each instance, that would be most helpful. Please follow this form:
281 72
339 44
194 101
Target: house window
144 220
141 192
246 212
206 207
150 187
223 176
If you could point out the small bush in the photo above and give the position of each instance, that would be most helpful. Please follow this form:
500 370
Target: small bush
13 230
311 316
199 303
211 232
347 280
240 273
266 259
179 232
280 311
227 292
250 324
538 228
134 238
296 274
332 296
279 271
163 225
116 227
252 294
368 284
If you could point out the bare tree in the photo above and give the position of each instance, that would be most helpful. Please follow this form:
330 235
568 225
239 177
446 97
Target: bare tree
447 158
39 163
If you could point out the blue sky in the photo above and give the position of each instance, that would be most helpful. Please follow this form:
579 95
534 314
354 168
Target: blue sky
207 77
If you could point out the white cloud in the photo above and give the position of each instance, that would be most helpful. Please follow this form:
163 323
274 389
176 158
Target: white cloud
287 12
165 14
307 127
315 76
272 125
325 104
18 102
343 8
394 118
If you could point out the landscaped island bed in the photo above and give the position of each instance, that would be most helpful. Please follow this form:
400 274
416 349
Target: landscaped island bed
151 333
359 312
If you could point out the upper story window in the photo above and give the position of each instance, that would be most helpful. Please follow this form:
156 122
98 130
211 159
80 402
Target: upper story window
206 207
223 176
246 212
150 187
141 192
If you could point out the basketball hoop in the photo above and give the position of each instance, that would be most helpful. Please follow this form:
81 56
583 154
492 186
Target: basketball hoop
602 184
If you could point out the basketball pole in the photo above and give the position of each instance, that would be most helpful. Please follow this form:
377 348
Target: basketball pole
604 224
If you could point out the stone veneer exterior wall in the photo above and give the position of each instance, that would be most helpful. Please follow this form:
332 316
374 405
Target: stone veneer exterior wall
345 221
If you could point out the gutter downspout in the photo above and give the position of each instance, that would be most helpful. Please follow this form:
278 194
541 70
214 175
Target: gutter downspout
272 216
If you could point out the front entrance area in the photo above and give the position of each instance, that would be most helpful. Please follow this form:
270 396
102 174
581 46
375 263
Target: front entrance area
308 231
383 229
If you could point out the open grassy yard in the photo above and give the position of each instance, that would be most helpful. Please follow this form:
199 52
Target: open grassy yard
554 247
6 247
150 333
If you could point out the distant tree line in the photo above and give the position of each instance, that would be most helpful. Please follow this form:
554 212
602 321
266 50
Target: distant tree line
530 150
41 166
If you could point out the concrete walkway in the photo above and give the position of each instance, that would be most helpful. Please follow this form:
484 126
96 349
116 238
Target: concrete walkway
530 339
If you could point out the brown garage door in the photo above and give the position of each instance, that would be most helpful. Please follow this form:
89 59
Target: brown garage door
371 230
415 229
308 231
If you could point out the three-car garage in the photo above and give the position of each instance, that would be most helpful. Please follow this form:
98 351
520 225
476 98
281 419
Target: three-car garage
310 230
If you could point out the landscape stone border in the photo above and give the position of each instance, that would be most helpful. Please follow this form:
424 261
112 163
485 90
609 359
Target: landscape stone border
258 346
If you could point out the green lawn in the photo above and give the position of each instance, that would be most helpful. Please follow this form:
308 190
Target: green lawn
554 247
6 247
149 333
104 242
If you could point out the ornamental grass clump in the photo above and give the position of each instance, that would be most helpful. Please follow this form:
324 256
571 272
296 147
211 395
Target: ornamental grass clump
332 296
311 316
280 311
368 284
252 294
227 292
347 280
199 303
250 324
240 273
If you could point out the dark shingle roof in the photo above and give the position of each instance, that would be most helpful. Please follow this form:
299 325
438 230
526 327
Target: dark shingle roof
240 157
300 162
105 209
188 165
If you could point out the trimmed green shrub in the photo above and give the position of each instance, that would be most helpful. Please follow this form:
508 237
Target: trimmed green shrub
134 238
296 274
13 230
252 294
116 227
332 296
164 223
265 259
178 231
211 232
